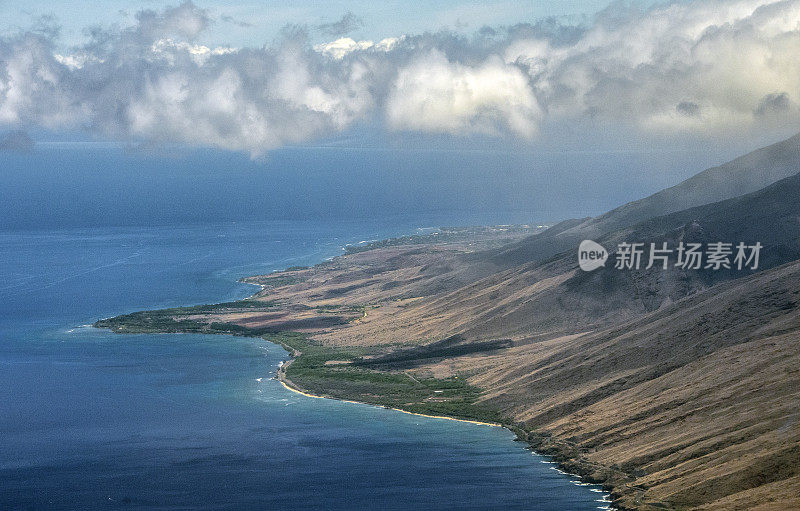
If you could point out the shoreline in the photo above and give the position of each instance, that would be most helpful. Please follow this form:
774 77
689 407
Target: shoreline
291 386
280 375
520 435
607 494
567 464
564 464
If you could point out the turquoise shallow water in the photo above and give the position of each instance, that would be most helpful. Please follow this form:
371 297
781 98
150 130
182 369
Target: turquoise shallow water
96 420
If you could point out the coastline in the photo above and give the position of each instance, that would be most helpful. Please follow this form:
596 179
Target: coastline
566 460
289 385
572 466
280 376
562 466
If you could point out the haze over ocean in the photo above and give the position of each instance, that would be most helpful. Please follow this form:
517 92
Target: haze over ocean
73 184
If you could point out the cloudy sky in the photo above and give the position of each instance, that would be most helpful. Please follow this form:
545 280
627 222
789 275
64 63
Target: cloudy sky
253 77
255 22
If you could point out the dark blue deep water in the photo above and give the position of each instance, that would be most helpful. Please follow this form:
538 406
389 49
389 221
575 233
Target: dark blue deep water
93 420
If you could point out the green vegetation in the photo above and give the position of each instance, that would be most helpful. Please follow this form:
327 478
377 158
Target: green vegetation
175 320
330 372
338 373
276 280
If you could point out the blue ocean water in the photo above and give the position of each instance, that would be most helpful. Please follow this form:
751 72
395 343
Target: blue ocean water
94 420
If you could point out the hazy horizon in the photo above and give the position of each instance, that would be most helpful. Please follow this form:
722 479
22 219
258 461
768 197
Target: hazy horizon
72 185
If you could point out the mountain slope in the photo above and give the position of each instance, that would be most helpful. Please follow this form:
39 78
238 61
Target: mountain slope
679 388
696 403
743 175
541 300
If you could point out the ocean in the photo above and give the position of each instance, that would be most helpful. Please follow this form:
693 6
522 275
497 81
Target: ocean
95 420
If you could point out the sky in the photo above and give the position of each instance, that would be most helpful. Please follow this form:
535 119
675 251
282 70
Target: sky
702 81
254 23
542 74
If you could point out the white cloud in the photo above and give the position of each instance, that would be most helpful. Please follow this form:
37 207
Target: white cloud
31 85
339 48
708 66
722 57
344 46
167 48
435 95
74 61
